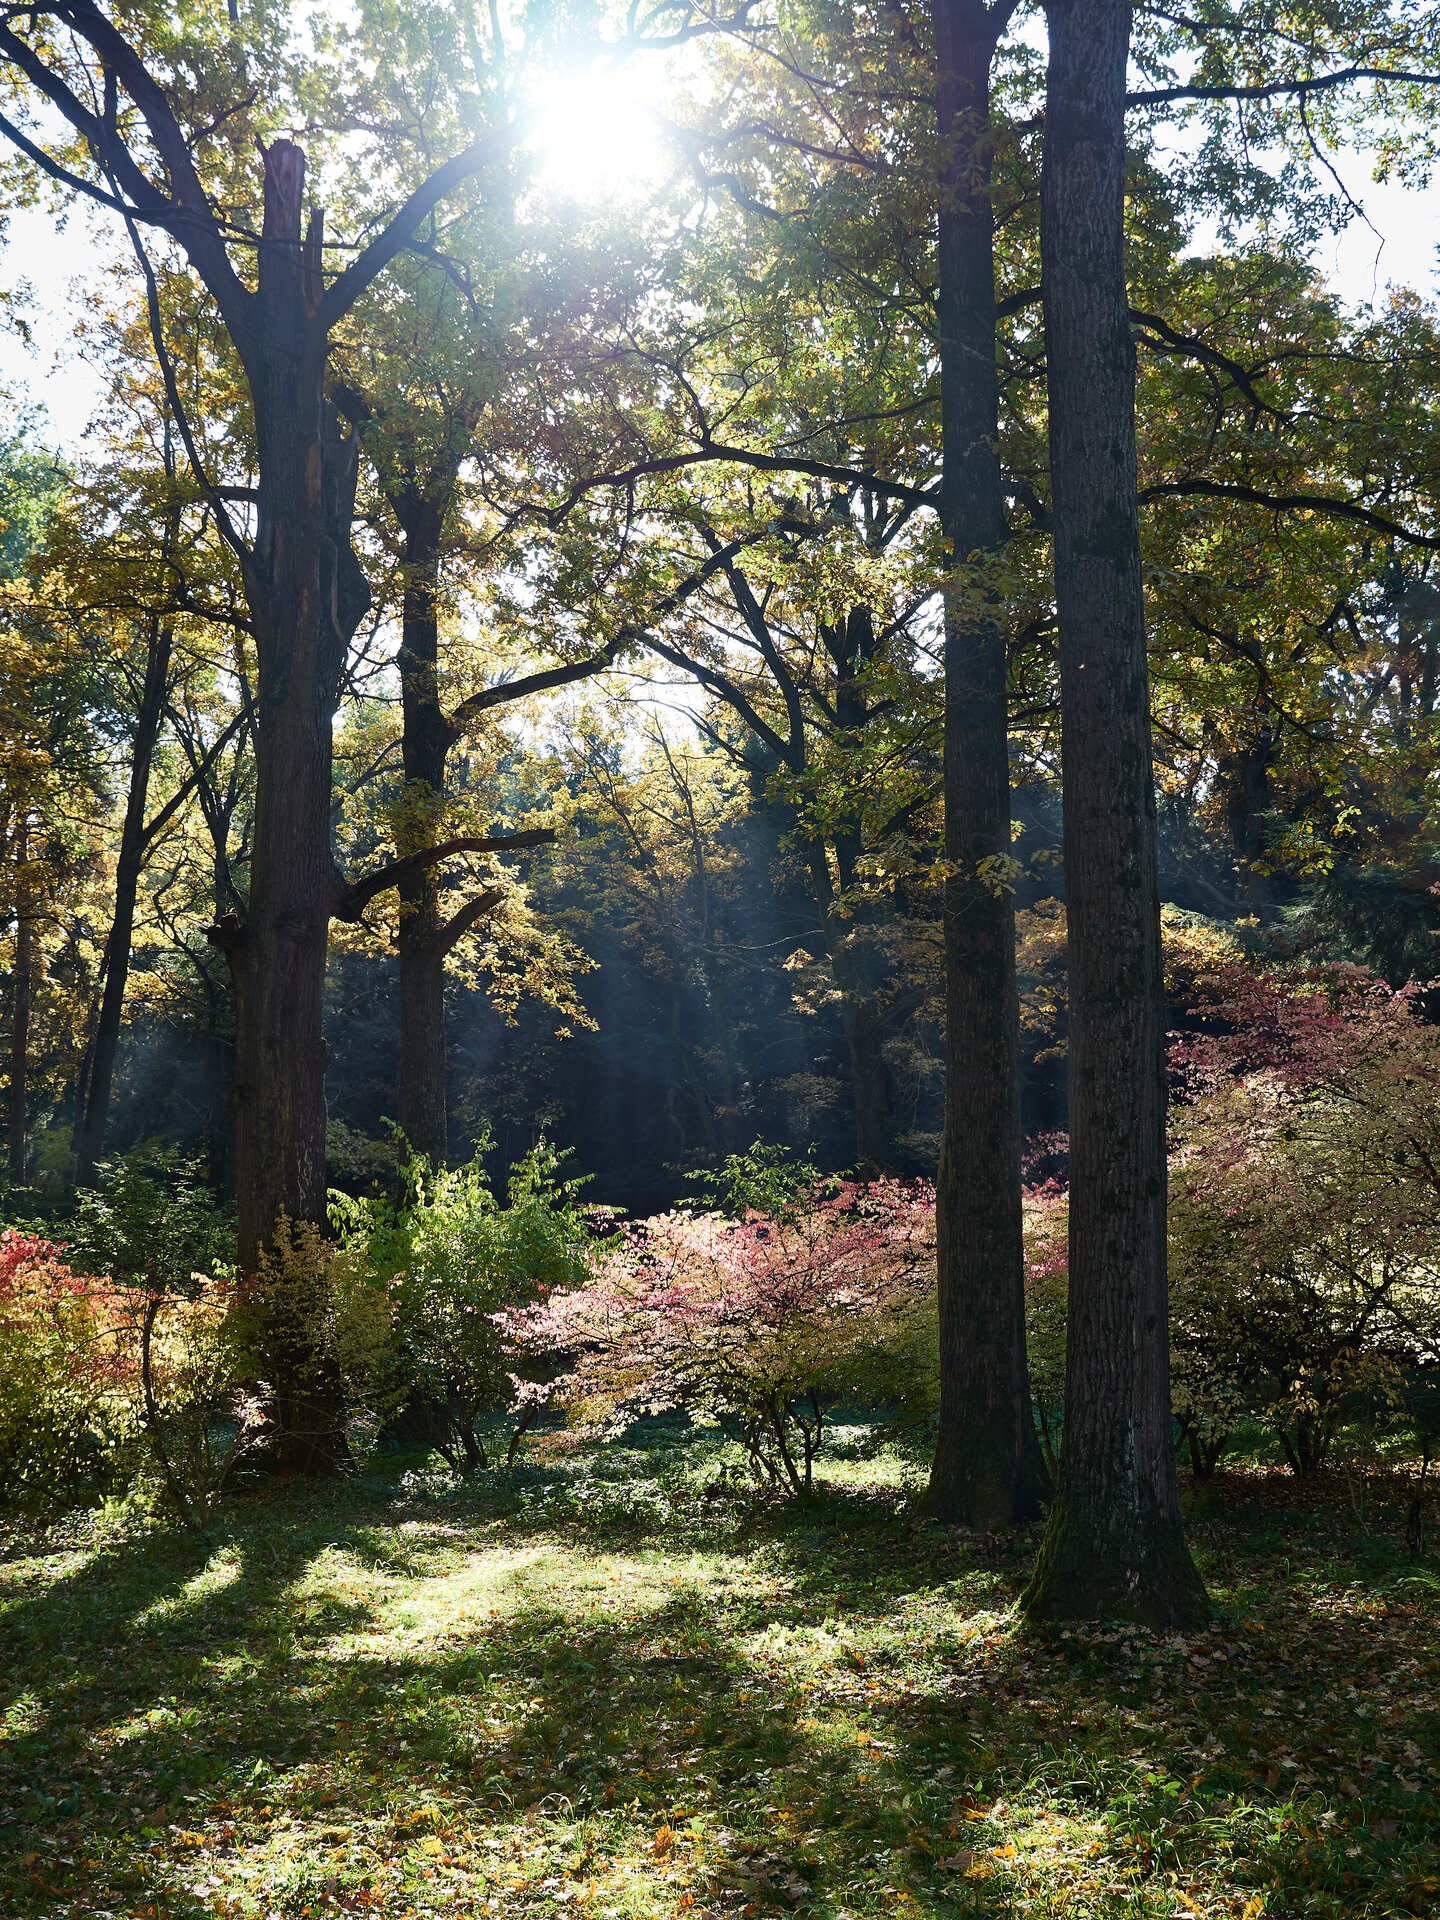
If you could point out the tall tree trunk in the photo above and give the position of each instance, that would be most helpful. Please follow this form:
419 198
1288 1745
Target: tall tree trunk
24 989
90 1132
1114 1545
306 596
425 746
988 1469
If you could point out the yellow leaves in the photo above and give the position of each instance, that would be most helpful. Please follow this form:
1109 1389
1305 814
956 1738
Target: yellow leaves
665 1838
971 1865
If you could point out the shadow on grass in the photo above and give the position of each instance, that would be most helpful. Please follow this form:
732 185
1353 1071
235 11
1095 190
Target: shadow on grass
825 1712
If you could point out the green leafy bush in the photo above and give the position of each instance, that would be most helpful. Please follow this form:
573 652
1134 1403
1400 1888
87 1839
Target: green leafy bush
452 1260
152 1221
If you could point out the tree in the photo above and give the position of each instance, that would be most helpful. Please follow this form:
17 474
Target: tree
49 780
809 643
988 1468
815 167
1114 1544
304 587
110 562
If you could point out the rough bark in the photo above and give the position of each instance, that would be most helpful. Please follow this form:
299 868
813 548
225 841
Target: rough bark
306 597
988 1470
1114 1545
22 992
90 1131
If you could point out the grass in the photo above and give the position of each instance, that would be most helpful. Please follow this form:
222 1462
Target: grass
612 1685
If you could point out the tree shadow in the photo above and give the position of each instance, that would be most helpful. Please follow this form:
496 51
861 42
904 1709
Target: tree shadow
829 1712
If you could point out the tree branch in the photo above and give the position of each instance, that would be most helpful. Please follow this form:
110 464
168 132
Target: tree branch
198 772
1275 89
1168 337
1338 507
500 695
713 450
347 286
227 526
351 900
186 209
459 924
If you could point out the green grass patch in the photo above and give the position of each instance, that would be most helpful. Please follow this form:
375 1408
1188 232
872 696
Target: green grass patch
614 1685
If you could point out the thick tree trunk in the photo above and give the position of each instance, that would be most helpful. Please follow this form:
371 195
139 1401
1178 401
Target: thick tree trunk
988 1470
306 596
23 995
1114 1544
90 1131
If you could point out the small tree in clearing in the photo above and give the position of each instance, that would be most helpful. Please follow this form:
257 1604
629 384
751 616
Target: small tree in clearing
761 1324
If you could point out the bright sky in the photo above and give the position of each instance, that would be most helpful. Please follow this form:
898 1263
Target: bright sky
598 142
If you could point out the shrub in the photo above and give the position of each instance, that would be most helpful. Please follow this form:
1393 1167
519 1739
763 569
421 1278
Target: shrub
453 1262
68 1426
311 1336
1305 1205
1297 1268
1304 1220
152 1222
762 1324
155 1227
199 1416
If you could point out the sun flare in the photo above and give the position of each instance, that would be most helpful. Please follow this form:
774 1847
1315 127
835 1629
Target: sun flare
598 137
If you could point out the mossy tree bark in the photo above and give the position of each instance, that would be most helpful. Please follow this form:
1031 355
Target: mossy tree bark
1114 1546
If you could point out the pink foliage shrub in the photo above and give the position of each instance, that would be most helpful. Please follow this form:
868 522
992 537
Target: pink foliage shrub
1305 1203
1304 1216
97 1379
66 1374
761 1324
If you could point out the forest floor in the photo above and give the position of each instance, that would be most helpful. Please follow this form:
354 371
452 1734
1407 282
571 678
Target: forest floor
609 1687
